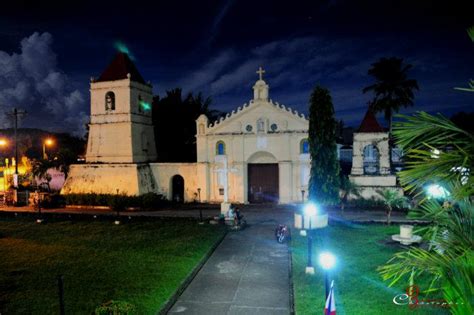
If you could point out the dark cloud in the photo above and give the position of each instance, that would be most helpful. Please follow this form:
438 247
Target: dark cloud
31 80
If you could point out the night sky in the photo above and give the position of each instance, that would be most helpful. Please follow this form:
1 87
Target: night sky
49 51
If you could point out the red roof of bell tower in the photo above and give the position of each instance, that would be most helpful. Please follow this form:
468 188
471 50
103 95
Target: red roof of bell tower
118 69
370 123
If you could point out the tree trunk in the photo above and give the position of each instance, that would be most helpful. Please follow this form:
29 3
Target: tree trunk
390 141
389 214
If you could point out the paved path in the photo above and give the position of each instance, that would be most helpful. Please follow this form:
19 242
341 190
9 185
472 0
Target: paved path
247 274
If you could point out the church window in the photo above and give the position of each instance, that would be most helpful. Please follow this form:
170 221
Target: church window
110 101
371 160
221 191
260 125
220 148
274 127
304 146
249 128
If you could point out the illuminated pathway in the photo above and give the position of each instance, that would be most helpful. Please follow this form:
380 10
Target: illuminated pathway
247 274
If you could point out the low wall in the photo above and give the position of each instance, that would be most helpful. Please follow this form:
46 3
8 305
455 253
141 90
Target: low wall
111 178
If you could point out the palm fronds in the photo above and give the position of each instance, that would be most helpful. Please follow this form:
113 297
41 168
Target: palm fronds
437 151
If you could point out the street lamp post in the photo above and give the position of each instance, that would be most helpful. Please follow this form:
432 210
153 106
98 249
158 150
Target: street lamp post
200 208
3 143
310 210
48 142
327 262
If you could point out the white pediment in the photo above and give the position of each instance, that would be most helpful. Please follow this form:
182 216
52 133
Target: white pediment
252 117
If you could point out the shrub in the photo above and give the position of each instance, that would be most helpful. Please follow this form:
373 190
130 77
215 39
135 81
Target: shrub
151 200
53 201
146 201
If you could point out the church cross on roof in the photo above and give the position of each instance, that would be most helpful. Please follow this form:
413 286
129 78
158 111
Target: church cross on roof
260 72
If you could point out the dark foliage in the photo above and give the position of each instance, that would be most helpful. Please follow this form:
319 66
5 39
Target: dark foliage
392 88
324 181
30 144
146 201
174 119
464 121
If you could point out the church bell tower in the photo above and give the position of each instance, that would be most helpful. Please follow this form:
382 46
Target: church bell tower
121 130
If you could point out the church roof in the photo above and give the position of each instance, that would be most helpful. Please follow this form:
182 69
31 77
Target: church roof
370 123
118 69
247 106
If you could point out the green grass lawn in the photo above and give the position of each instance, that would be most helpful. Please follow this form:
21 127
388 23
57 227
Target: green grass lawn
140 262
359 289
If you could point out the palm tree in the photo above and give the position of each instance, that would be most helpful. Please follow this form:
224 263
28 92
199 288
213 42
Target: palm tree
439 152
392 88
348 188
176 114
40 169
392 199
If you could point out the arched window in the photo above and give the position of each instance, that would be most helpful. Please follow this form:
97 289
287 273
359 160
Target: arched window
260 125
110 101
201 129
220 148
371 160
304 146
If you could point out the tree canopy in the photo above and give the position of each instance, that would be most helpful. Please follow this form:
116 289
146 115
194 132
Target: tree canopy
174 119
392 88
324 179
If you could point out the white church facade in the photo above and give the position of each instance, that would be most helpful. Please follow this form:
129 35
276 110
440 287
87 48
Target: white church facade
257 153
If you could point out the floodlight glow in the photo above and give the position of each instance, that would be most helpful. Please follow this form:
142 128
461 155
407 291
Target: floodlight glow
3 142
146 106
310 209
437 191
48 142
327 260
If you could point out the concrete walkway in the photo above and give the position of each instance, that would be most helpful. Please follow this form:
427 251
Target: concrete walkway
247 274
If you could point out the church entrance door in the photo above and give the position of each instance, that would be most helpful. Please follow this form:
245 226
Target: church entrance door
263 183
177 188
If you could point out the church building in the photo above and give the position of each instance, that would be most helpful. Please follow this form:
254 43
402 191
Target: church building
257 153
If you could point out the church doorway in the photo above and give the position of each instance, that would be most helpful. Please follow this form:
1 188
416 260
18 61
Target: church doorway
177 188
263 183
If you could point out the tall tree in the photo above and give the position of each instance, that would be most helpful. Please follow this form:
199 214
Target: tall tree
174 119
324 177
392 88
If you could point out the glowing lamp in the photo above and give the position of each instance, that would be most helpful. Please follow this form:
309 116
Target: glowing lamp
437 191
310 209
146 106
327 260
3 142
49 142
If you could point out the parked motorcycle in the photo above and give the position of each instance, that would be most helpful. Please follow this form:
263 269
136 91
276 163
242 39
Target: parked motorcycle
282 233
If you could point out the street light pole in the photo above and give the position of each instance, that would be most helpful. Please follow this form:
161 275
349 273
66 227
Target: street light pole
310 210
310 268
47 142
200 208
15 115
327 262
